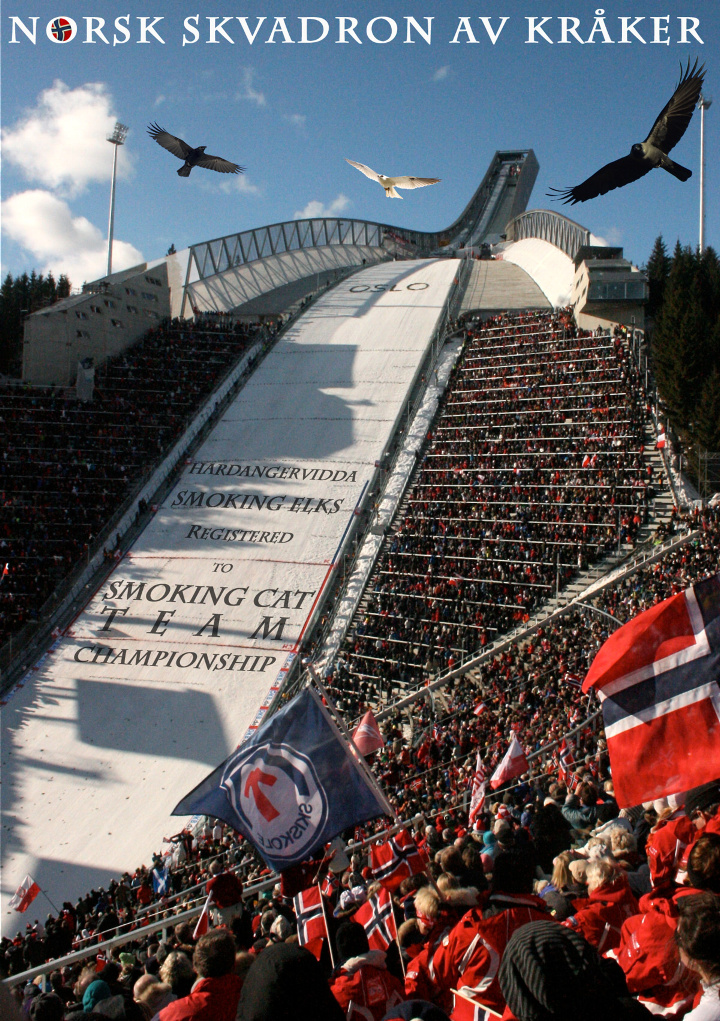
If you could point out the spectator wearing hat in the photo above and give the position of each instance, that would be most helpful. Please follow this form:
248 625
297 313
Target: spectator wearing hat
286 983
362 986
548 971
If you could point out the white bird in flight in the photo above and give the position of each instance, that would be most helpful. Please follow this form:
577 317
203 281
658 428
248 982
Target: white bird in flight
391 183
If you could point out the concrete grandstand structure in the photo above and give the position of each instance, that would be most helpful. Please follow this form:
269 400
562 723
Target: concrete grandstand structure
339 395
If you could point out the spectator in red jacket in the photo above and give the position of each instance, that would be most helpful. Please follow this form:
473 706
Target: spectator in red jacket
469 958
215 995
363 986
226 890
609 903
647 952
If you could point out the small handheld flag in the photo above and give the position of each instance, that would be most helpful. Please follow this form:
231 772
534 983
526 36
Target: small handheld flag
203 923
657 678
367 736
378 919
478 790
396 859
513 764
291 787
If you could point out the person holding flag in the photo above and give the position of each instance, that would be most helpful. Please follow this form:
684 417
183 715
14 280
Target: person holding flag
363 986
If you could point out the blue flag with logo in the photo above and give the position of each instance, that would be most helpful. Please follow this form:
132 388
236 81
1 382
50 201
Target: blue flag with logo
291 787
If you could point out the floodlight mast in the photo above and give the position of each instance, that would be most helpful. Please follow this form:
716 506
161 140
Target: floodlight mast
704 102
117 138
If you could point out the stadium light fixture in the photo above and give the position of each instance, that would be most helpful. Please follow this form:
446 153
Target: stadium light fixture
704 102
117 138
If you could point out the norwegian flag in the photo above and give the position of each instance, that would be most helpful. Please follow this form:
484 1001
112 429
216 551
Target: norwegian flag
366 736
330 885
416 785
395 859
657 678
573 680
478 789
565 762
311 923
24 895
513 764
467 1009
479 708
437 733
378 920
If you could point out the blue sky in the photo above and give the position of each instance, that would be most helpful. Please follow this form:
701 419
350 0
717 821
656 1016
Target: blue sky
290 112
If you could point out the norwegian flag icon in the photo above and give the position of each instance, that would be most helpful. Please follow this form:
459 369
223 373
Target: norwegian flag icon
396 859
62 30
657 678
378 920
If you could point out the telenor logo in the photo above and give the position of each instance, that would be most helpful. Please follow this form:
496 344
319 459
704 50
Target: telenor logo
276 792
61 30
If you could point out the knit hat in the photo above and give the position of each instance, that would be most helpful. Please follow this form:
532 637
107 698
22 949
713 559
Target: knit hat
550 972
699 799
95 992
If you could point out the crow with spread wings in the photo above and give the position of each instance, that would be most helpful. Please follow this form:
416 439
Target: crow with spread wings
192 157
666 132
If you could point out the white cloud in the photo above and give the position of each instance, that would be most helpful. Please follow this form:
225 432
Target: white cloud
44 225
159 100
613 236
441 73
239 183
296 119
62 141
316 208
248 90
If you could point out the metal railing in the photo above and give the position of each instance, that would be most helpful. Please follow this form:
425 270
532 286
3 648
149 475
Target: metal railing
547 225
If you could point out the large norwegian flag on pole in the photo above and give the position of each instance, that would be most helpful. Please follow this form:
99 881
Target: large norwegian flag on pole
513 764
366 736
378 920
477 791
25 894
395 859
657 678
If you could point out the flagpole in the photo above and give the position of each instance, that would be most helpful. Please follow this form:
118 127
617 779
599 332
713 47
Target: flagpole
50 902
338 722
327 929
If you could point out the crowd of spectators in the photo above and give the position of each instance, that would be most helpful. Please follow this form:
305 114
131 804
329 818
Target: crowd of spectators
68 464
533 470
553 903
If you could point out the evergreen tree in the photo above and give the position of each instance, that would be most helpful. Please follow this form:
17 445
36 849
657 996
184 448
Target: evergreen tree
18 298
658 271
707 415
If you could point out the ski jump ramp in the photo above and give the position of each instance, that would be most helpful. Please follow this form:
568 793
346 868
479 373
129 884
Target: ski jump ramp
183 647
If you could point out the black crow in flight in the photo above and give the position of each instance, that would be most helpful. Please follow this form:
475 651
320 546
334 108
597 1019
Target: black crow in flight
666 132
193 157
